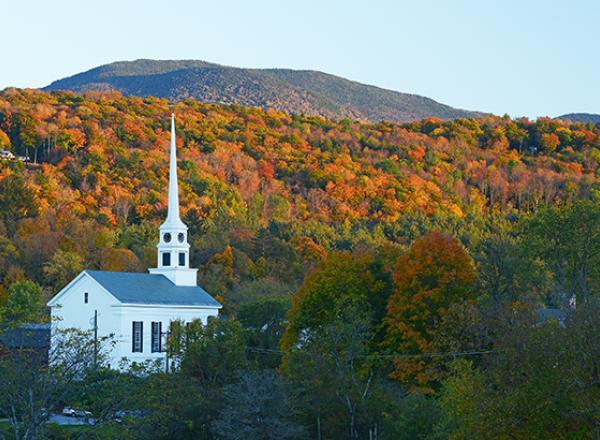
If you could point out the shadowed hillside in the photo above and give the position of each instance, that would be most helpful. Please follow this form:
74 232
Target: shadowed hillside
293 91
581 117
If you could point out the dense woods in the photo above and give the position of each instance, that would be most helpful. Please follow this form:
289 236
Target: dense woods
380 281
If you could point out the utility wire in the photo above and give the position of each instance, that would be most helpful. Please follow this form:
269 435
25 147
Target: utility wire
478 352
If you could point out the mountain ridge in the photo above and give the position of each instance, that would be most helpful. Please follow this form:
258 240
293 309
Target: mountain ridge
293 91
581 117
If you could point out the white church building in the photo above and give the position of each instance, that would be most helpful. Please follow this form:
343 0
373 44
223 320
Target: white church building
137 308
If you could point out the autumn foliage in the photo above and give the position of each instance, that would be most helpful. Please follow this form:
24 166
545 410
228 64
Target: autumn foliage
434 274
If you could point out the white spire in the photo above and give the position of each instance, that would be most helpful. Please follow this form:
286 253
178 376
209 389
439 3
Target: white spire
173 247
173 210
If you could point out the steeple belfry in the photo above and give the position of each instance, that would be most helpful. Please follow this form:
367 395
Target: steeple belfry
173 247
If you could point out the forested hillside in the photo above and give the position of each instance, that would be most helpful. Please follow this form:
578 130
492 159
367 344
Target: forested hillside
293 91
380 281
281 190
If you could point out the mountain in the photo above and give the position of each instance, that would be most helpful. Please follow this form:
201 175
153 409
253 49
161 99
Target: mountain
292 91
581 117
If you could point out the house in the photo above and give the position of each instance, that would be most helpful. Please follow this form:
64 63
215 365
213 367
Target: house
136 309
548 314
31 338
5 154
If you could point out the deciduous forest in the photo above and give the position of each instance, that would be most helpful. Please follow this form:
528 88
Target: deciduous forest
430 280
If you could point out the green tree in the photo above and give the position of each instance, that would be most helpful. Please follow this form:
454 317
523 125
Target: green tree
264 321
258 407
343 392
540 382
211 353
567 239
505 272
34 384
174 406
17 201
25 304
62 268
343 277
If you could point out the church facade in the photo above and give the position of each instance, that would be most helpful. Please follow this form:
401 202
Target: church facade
136 309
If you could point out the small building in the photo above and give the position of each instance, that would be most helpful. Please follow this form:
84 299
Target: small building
136 309
548 314
31 338
7 155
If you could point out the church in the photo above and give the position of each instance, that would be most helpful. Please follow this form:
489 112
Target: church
136 309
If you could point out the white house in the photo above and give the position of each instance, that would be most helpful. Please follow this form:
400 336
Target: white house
137 308
5 154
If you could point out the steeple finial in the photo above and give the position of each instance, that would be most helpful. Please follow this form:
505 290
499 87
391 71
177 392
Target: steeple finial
173 209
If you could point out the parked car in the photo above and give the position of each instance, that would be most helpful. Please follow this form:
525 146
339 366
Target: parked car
75 412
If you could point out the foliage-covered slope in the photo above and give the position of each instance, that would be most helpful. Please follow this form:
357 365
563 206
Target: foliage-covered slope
265 194
292 91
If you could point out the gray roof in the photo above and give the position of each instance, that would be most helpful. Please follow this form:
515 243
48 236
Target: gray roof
146 288
549 313
26 336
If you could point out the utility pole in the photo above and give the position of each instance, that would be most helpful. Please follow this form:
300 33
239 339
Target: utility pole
95 337
166 349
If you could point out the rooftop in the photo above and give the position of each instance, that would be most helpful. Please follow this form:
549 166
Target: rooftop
146 288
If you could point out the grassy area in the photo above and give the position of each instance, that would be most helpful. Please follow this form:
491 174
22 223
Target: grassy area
69 432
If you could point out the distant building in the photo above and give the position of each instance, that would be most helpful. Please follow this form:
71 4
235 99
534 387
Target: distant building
6 155
138 308
551 314
34 338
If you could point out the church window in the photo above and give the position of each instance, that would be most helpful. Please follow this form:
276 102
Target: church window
182 258
156 337
181 237
85 297
166 259
167 237
137 342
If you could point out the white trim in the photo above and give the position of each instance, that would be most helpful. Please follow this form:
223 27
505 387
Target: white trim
53 301
166 306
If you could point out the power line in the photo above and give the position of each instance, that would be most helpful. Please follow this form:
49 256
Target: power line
478 352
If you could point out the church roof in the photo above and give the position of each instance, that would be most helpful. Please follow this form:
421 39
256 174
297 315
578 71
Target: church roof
146 288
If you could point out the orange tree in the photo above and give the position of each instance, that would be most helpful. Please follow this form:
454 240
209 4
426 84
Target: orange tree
432 276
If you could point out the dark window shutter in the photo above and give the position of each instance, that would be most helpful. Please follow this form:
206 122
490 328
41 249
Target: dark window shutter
152 336
160 336
156 337
137 337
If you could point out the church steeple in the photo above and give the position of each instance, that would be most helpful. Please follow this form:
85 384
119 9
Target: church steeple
173 248
173 210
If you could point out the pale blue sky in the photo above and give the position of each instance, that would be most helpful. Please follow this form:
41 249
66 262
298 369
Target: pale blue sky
519 57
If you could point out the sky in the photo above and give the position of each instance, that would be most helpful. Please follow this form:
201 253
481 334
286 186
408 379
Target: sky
524 58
